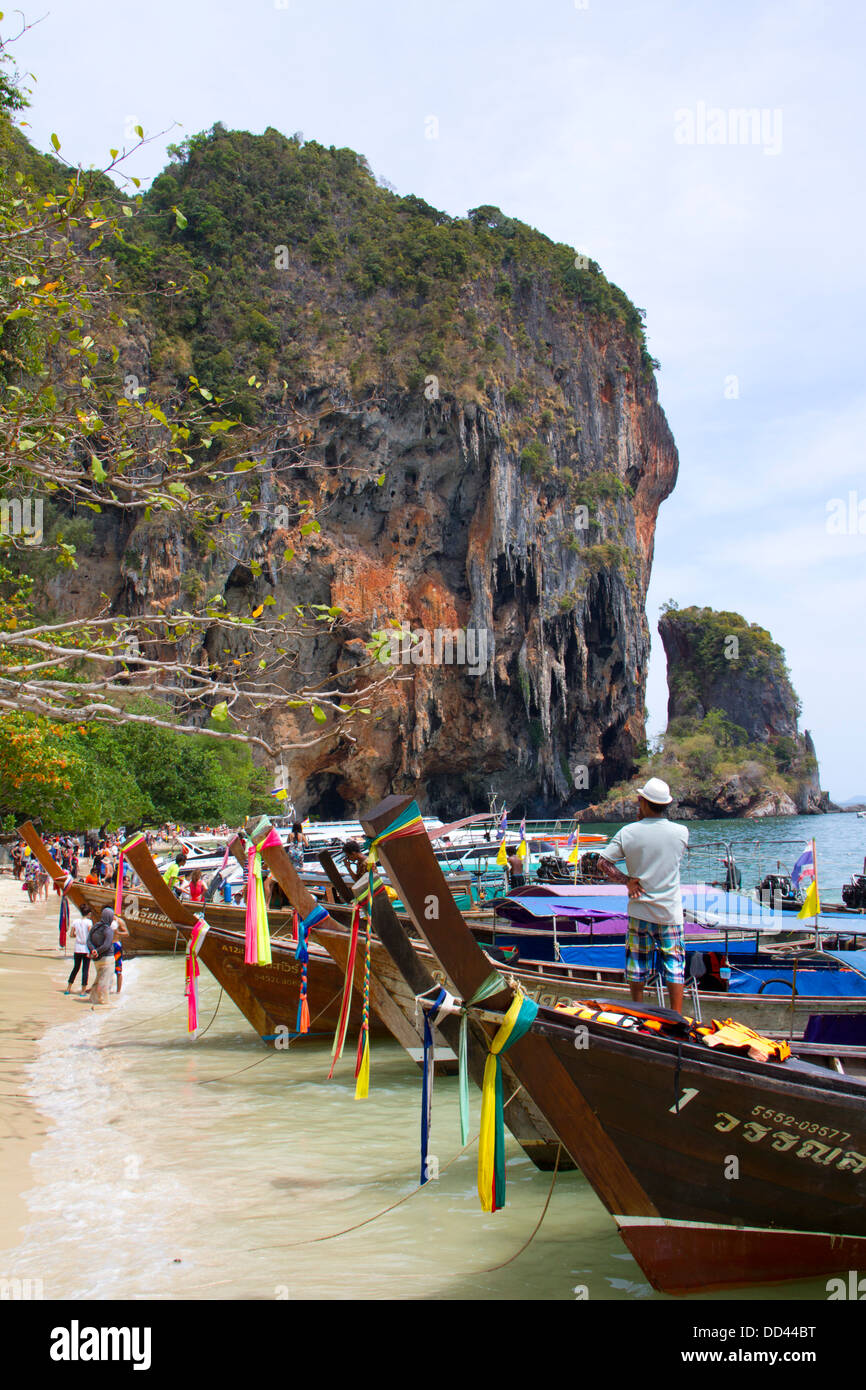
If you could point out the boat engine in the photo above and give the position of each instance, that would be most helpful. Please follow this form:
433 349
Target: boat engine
779 891
552 869
854 893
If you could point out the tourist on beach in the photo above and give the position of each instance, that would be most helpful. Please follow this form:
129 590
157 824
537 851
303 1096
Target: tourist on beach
80 928
43 882
296 846
17 858
652 850
118 966
354 858
30 882
516 869
196 887
100 943
172 873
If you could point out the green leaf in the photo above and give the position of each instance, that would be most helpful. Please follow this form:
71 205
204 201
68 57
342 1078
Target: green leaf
97 469
179 218
318 714
287 556
55 142
220 712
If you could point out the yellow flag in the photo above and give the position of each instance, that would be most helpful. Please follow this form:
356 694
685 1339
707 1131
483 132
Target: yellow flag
502 857
522 849
575 854
811 906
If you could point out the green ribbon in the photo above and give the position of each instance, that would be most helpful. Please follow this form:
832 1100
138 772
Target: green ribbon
492 985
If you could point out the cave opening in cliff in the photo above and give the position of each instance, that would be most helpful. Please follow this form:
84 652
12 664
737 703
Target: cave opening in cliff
324 799
512 578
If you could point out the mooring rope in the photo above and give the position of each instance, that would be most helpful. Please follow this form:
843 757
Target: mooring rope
537 1226
315 1240
272 1051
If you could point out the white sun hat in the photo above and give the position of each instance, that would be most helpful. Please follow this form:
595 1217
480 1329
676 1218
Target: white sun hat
657 792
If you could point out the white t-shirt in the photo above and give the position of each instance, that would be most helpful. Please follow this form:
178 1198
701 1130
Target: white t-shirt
652 849
81 926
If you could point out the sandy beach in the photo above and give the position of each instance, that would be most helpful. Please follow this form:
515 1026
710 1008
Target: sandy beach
33 973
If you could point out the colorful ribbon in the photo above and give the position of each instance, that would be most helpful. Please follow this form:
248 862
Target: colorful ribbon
362 1063
118 892
302 954
257 949
63 922
492 985
196 937
345 1007
409 823
491 1144
433 1010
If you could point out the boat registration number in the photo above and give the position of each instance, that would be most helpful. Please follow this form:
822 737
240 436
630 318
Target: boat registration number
778 1117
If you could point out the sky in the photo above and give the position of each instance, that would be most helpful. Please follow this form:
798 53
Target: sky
608 126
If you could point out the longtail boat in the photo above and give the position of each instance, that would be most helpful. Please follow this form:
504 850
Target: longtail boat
267 995
719 1170
402 974
557 983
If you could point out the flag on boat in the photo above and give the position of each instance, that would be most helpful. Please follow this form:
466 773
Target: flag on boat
805 870
523 848
805 866
502 857
573 846
503 826
280 793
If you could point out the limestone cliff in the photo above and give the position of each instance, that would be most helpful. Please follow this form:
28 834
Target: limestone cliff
500 472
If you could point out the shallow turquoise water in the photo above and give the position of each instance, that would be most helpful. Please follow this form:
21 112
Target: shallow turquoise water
218 1164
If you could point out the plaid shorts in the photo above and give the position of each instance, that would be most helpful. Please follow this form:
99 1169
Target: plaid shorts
644 939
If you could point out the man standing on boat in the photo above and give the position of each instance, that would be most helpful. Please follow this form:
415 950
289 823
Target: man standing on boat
652 850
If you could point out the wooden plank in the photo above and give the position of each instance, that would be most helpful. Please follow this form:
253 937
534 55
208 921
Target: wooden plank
412 867
342 890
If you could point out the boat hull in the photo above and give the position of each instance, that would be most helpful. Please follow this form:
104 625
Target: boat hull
671 1252
756 1172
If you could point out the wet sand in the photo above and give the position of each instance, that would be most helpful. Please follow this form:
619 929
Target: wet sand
33 973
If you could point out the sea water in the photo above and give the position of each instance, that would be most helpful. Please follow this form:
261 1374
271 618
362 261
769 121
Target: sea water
214 1168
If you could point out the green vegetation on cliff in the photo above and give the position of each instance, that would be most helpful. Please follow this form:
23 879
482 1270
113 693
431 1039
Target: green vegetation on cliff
309 259
712 650
701 758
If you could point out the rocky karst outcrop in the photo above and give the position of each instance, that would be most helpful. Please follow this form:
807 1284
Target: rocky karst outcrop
732 747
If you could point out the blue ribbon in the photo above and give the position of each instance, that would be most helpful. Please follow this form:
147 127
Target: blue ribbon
427 1072
312 919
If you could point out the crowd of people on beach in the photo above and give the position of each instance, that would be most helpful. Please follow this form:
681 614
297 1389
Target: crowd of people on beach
99 942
